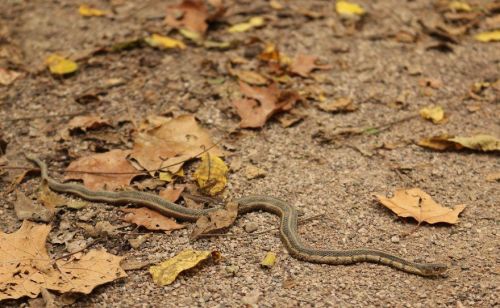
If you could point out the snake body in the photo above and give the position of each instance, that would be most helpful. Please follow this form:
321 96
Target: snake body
288 226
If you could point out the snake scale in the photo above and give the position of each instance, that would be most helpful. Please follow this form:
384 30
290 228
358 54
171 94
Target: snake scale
288 226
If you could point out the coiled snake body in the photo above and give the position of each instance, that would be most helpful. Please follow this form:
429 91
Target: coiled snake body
288 226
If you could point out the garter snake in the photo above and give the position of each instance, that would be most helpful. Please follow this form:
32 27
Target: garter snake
288 226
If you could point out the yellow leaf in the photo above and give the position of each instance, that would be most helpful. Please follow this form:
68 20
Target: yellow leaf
491 36
87 11
433 113
191 35
59 65
166 272
459 6
418 204
157 40
166 176
269 260
245 26
211 174
348 8
478 142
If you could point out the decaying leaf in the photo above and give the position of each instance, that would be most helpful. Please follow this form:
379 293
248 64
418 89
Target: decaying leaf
262 103
85 123
27 268
106 163
348 9
161 41
166 272
150 219
51 200
492 36
216 220
269 260
250 77
172 192
418 204
88 11
343 104
28 209
169 142
211 174
303 65
254 22
481 142
433 113
58 65
7 76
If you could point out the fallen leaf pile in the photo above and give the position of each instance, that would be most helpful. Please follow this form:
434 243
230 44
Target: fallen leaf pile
27 268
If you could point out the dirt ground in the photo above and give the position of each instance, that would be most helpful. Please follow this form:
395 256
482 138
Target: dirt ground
388 63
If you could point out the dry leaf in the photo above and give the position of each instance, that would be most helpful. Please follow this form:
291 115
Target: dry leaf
492 36
303 65
263 103
193 15
433 113
216 220
51 200
253 172
7 76
150 219
85 123
27 268
419 205
172 192
58 65
161 41
250 77
493 177
168 142
348 9
27 209
481 142
269 260
110 162
165 273
341 104
88 11
254 22
211 174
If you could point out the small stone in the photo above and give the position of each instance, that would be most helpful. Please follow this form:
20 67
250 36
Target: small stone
251 299
468 225
251 227
232 270
395 239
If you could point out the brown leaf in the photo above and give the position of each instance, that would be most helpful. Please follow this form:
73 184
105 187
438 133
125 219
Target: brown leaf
113 161
171 141
419 205
150 219
303 65
7 76
172 192
193 15
216 220
27 209
341 104
481 142
85 123
27 268
263 103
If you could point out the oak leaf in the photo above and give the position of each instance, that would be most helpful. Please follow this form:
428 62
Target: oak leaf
418 204
27 268
303 65
119 170
150 219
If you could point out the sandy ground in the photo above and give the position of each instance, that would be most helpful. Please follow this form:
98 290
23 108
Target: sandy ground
303 165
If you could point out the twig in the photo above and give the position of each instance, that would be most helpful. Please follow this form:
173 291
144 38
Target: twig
79 250
46 116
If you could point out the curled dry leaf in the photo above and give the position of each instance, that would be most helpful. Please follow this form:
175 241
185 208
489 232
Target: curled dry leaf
481 142
269 260
169 142
107 163
85 123
342 104
166 272
216 220
262 103
150 219
303 65
27 268
433 113
418 204
166 42
58 65
211 174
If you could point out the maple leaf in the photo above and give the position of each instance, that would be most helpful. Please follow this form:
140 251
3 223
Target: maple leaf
113 161
418 204
262 103
26 267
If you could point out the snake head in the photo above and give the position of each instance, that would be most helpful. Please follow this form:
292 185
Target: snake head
433 269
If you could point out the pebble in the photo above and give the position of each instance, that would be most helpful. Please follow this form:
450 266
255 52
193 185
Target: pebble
395 239
251 227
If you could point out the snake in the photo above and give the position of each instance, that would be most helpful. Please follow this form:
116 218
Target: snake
288 225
